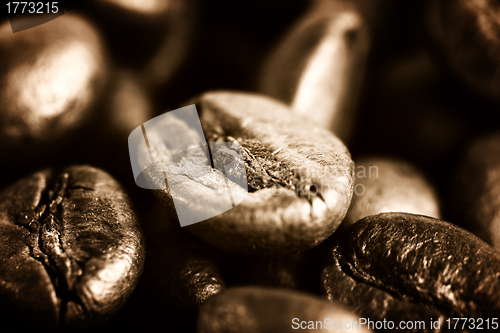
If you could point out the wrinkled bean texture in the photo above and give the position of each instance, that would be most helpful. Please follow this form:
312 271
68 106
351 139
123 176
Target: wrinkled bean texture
406 266
310 204
71 249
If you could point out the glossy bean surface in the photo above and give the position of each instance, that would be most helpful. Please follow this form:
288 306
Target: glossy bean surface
71 248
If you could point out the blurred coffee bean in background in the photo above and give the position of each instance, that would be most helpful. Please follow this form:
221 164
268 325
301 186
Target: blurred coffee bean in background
319 66
386 184
231 41
245 309
50 78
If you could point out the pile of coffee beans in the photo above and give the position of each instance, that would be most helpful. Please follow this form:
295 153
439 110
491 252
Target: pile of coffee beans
368 142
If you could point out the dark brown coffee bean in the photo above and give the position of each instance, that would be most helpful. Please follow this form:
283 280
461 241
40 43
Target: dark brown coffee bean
318 67
467 34
402 266
390 185
477 191
262 310
299 176
49 77
71 249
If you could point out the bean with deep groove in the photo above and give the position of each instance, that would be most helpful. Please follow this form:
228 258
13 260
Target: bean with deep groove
71 249
403 266
300 177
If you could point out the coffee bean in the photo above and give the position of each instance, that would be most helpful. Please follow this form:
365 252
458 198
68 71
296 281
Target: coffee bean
49 77
71 249
390 185
258 309
476 192
299 177
318 67
402 266
466 32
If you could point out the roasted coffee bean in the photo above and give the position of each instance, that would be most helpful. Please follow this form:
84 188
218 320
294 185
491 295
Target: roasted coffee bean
477 189
402 266
390 185
466 32
300 177
71 249
49 77
180 273
318 67
246 309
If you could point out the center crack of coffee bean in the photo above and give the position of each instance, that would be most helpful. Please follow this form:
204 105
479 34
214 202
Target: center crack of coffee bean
263 169
44 242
